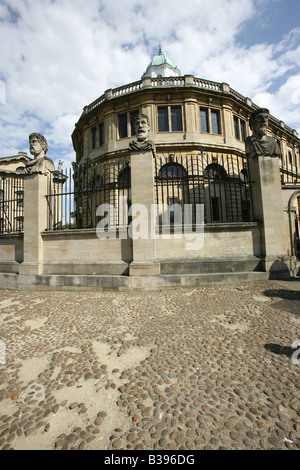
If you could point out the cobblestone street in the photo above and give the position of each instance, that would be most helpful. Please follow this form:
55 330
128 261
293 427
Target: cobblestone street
202 368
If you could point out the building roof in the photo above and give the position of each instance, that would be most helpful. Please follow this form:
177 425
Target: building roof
20 156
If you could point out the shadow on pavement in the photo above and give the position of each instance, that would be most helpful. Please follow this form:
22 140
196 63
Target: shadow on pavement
278 349
288 299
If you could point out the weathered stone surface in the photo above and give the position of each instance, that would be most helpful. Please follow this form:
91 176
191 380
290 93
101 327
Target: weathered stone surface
195 369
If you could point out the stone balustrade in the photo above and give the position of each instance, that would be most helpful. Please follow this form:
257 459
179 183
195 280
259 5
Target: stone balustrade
165 82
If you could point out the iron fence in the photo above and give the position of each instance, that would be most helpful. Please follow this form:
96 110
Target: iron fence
11 203
75 194
289 174
220 184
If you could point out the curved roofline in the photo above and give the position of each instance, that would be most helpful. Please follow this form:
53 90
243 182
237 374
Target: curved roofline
189 81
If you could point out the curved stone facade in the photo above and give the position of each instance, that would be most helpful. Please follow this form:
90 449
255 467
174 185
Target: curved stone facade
186 114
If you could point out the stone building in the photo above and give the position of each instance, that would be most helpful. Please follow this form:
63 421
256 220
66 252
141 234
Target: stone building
182 206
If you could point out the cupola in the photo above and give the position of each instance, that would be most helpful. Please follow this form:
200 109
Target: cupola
161 66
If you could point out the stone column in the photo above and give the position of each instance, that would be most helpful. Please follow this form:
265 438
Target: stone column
142 193
268 208
35 222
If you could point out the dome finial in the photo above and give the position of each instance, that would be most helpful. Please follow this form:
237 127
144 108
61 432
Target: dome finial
159 51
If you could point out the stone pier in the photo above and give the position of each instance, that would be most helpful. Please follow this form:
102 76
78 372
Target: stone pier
268 209
35 222
142 195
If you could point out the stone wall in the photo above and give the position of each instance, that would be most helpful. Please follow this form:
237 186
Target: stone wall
11 252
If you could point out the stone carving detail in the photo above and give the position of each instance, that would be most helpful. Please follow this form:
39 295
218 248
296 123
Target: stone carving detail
38 148
142 128
260 143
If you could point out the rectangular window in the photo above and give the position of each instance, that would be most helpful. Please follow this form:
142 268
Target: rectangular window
101 133
176 118
163 120
123 126
133 115
1 195
243 131
215 122
204 120
236 127
94 137
239 128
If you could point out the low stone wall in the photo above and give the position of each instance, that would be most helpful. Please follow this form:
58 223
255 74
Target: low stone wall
82 252
11 252
122 283
217 241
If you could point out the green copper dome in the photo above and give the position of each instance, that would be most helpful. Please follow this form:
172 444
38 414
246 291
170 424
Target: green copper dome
160 60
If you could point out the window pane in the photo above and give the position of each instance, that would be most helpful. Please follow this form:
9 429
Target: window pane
133 115
163 121
125 175
243 131
215 124
101 134
204 120
176 119
123 126
94 137
172 170
236 127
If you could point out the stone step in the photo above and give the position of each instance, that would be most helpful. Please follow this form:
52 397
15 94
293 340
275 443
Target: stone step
123 283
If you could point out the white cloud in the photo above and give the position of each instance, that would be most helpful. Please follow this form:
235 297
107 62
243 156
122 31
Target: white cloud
59 55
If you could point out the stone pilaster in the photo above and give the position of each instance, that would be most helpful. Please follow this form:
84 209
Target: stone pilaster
142 193
268 209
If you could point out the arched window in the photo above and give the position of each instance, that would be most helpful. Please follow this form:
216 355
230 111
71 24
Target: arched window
98 182
172 191
124 176
172 170
244 175
215 171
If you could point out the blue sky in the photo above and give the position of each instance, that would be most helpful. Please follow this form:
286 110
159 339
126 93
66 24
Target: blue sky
56 56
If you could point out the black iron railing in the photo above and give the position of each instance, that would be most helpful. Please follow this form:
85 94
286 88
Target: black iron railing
219 183
76 195
290 174
81 197
11 203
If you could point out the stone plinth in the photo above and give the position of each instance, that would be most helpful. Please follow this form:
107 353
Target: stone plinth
142 196
268 209
35 222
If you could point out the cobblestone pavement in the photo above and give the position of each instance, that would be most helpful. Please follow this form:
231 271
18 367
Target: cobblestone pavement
201 368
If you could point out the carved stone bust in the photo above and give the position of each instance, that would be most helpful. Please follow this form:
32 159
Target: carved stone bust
38 148
142 128
260 143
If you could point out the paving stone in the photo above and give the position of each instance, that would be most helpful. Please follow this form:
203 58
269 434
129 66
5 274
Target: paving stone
208 379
